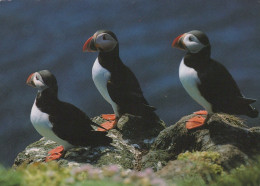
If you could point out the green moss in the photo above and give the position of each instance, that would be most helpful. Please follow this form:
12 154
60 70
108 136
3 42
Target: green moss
99 183
204 164
42 173
244 175
52 174
9 177
200 174
207 156
191 180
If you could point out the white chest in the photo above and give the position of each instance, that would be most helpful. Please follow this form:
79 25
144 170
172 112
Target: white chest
100 77
40 120
189 79
41 123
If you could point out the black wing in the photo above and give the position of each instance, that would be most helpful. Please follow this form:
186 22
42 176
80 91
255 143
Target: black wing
220 89
125 91
74 126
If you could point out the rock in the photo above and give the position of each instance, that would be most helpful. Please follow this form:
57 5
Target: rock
173 152
134 136
120 153
223 134
139 131
204 164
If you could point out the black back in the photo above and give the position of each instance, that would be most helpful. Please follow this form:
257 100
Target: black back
218 86
69 123
123 87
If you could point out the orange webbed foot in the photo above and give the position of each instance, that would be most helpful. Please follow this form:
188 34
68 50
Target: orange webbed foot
195 122
58 149
55 154
201 112
108 125
53 157
109 116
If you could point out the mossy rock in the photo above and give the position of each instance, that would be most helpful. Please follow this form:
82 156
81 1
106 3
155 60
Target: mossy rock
119 153
133 127
137 130
203 164
123 158
156 159
223 133
128 145
197 169
35 152
140 144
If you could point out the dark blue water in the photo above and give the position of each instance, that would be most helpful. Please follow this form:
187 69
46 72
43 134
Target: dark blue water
37 35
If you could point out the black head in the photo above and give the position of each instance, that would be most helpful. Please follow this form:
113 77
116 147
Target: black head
43 80
193 41
102 41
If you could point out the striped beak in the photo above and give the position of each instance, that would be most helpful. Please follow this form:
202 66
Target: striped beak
89 45
29 80
178 42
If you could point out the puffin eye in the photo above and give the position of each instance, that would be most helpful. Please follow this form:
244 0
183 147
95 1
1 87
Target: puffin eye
104 37
37 78
190 38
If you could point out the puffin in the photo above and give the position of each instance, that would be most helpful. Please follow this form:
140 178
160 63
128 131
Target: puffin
59 121
115 81
208 82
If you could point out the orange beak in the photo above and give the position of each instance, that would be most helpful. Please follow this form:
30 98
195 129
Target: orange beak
89 45
29 80
178 42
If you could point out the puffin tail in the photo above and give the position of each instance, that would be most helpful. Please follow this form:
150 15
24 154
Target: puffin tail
244 104
248 100
99 138
148 112
253 113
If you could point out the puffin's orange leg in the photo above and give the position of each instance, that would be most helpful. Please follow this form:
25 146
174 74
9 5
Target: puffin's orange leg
195 122
108 116
55 154
108 125
201 112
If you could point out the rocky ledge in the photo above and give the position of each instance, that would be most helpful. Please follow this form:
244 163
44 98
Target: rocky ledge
131 139
224 143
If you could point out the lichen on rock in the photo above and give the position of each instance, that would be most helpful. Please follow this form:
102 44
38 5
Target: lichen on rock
224 134
174 153
137 130
128 143
190 164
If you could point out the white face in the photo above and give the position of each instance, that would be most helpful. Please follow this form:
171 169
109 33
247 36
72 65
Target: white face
192 43
105 42
38 81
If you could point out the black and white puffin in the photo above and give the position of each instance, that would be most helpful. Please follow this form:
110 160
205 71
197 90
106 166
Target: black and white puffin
115 81
207 81
60 121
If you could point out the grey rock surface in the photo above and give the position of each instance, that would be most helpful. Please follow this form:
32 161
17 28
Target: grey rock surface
139 144
133 136
223 133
